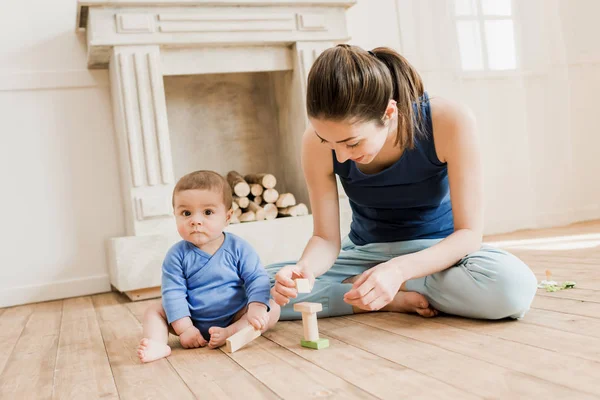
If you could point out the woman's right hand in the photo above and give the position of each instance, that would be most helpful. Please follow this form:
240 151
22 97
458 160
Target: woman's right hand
285 287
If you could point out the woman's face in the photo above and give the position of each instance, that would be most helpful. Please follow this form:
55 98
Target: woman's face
360 141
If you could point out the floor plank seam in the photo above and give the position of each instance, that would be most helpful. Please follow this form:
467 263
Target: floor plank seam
393 361
112 373
567 313
522 343
324 369
574 390
140 323
62 314
17 342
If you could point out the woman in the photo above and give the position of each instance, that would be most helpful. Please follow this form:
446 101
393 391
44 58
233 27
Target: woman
411 168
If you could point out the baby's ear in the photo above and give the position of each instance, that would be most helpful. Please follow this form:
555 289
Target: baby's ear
229 214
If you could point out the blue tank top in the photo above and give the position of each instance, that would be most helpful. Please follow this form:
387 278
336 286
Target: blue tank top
406 201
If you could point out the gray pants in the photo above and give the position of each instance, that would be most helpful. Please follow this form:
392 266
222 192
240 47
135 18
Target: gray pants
488 284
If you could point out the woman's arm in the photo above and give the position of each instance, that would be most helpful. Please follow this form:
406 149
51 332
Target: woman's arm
456 144
324 246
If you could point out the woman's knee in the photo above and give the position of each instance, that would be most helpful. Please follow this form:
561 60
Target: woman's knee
513 287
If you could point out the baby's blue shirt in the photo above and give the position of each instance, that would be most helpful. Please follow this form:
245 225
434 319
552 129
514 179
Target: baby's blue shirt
212 289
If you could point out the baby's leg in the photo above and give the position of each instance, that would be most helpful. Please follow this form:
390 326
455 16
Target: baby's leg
156 335
218 335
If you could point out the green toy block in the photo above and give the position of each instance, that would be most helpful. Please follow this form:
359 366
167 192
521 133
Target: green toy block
319 344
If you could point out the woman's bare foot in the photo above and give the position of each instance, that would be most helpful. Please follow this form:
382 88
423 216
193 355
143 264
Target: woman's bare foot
411 302
150 350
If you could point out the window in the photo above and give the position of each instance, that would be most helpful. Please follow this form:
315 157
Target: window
485 34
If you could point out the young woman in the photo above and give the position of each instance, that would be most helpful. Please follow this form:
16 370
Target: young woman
410 165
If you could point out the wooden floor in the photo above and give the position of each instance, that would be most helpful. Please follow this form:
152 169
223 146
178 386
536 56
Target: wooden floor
85 347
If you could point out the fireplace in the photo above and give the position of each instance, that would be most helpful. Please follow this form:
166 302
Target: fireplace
200 84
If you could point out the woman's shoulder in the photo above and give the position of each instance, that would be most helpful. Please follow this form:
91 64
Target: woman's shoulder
450 119
316 156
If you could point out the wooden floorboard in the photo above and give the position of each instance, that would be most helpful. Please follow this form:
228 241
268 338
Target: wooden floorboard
83 370
209 373
29 371
575 374
85 348
121 333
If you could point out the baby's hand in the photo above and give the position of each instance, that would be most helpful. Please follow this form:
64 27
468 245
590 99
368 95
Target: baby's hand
192 338
257 316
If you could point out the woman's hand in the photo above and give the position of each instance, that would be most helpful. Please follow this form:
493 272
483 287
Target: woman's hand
285 287
376 287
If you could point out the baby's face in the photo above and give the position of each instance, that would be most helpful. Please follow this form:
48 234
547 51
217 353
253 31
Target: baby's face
201 216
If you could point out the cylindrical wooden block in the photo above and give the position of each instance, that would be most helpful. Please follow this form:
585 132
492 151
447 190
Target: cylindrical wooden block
239 186
241 201
234 219
311 329
266 180
270 211
270 195
256 189
247 217
285 200
258 199
294 211
259 212
235 206
237 212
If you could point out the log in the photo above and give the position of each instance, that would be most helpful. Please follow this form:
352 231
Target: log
259 212
234 220
256 189
271 211
238 212
247 216
294 211
239 186
258 199
285 200
235 206
270 196
268 181
241 201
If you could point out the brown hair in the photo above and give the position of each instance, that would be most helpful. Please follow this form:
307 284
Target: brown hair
347 83
205 180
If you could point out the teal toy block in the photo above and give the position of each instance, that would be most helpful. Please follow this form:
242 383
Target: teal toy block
319 344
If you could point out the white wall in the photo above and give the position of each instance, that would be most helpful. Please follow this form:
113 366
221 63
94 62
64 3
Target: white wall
537 124
60 198
60 190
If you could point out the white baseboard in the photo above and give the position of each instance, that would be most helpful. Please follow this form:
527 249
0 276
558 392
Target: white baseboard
54 290
544 220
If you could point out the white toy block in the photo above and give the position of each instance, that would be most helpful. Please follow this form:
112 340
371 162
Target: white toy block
306 307
303 285
241 338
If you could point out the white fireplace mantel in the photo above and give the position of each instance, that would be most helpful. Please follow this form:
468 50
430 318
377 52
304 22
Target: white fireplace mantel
143 41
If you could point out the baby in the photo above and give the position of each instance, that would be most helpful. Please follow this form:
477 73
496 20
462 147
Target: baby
213 283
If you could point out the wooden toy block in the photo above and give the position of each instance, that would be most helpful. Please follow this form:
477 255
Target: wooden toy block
311 329
241 338
303 285
318 344
306 307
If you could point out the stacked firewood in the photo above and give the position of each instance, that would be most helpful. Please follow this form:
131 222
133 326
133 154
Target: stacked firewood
256 199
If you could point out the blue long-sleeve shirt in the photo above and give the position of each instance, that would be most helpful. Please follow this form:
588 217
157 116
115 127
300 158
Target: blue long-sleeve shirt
212 289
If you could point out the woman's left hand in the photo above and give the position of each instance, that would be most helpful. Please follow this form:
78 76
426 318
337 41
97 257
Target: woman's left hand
376 287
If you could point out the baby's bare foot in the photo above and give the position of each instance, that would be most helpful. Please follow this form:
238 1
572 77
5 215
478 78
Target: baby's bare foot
407 302
150 350
218 335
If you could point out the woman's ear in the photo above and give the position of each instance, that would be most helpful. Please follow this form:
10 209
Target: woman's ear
390 111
